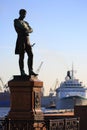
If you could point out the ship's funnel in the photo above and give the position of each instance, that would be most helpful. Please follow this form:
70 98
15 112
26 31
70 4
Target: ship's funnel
68 74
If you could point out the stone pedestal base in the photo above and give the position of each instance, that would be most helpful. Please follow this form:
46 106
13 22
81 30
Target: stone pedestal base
25 98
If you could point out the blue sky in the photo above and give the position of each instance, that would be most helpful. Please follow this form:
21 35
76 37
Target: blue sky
60 34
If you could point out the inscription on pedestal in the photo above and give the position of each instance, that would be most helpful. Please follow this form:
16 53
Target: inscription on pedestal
37 100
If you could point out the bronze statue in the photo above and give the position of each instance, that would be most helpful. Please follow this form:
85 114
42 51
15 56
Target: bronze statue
23 44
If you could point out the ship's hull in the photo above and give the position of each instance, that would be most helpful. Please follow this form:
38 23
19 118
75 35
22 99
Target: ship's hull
4 99
70 102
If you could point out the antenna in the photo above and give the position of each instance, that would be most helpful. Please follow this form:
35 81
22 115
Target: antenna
73 71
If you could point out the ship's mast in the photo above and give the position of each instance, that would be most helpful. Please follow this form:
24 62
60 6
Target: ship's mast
72 72
72 75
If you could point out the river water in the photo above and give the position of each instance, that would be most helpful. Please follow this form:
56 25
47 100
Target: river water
4 111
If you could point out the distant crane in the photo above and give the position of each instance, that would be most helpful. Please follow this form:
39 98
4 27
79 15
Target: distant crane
56 84
1 83
52 91
5 86
52 95
37 71
0 88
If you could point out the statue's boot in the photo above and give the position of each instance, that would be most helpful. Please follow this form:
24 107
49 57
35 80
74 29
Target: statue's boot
23 73
30 64
32 73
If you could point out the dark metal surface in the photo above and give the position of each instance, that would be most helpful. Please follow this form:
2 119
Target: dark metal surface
55 124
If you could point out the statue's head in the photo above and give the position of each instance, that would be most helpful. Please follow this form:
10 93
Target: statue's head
22 12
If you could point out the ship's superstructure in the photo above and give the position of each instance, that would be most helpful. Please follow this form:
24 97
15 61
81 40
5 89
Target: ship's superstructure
70 92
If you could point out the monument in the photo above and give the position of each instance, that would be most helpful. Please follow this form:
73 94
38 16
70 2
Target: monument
23 30
25 91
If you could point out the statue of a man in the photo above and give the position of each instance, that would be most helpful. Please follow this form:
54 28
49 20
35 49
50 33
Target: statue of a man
23 44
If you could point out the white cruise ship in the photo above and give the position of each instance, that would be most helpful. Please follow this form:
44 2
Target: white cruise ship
71 92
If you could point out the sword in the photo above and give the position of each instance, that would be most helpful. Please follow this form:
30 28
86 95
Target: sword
33 44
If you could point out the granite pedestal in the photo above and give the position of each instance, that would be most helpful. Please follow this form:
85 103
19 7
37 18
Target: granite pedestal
25 98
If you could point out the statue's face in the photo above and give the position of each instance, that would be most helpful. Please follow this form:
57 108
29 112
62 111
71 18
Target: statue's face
22 15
